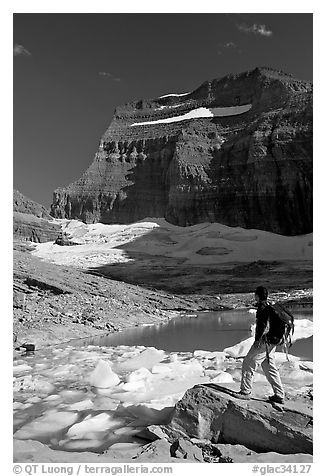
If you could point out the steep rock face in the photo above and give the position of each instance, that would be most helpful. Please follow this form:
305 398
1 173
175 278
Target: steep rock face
28 227
247 163
31 220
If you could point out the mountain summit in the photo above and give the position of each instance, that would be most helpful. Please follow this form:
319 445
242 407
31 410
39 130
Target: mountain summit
237 150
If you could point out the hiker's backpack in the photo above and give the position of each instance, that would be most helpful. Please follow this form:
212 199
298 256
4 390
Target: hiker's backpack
281 326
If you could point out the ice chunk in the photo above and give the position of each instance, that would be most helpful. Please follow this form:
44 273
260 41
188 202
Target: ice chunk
105 403
72 396
100 422
209 355
223 377
65 370
82 405
52 397
241 349
165 401
125 446
148 358
139 375
81 444
303 328
126 430
49 423
31 383
41 366
294 371
103 376
18 405
180 369
162 369
281 357
161 387
34 400
134 386
21 368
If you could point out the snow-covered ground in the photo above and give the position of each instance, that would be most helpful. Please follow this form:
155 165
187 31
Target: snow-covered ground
91 397
201 112
203 244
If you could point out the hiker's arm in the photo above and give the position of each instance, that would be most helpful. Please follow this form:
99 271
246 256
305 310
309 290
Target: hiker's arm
261 324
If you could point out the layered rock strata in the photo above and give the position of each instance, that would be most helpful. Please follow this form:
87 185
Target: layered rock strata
237 150
27 227
32 221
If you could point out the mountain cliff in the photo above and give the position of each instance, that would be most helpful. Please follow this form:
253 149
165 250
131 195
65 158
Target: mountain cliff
31 221
237 150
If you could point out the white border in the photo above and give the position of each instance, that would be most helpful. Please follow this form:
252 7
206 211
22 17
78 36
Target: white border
168 6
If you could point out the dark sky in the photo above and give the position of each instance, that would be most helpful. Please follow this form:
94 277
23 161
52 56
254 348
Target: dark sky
71 70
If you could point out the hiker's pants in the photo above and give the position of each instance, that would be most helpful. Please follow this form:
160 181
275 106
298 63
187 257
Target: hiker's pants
257 355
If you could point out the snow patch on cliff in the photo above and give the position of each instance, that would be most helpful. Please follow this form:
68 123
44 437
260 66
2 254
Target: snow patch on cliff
200 112
174 95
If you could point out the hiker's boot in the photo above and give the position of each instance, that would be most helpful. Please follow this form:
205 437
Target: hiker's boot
242 395
276 399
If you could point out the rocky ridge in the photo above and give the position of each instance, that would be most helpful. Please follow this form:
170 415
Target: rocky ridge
28 227
23 204
31 221
251 169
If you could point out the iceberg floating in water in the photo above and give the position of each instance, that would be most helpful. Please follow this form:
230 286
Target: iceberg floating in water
241 349
147 359
303 328
223 377
103 376
100 422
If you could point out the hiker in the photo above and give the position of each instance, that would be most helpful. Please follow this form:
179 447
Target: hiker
261 352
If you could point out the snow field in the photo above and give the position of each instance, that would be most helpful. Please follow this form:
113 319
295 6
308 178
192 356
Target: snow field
203 244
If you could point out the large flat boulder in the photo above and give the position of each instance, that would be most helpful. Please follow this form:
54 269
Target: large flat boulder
212 413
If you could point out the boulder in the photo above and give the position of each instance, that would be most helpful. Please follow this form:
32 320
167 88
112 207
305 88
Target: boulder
183 448
64 240
227 453
209 412
158 450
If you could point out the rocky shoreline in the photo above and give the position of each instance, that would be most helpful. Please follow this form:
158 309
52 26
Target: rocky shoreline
54 304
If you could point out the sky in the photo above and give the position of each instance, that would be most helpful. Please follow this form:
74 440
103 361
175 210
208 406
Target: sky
71 71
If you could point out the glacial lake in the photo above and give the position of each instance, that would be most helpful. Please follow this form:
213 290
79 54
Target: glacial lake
212 331
56 404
